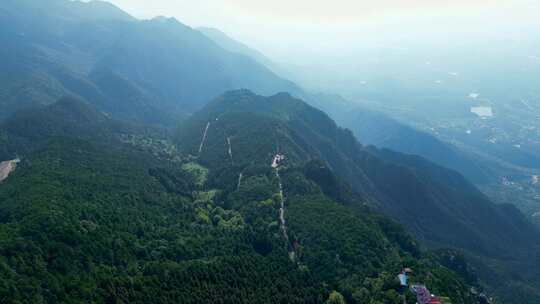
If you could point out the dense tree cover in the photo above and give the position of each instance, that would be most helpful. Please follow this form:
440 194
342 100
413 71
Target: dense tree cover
436 204
344 244
93 215
112 221
81 224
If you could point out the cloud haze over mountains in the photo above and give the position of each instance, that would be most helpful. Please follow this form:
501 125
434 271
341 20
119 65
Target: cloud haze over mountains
280 28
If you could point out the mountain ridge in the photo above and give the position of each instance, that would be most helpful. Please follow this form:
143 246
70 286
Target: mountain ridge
436 204
115 221
109 207
68 54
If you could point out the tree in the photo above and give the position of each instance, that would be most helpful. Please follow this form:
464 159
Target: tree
335 298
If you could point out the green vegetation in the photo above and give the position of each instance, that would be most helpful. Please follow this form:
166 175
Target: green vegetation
95 226
102 211
101 61
199 173
435 204
335 298
91 220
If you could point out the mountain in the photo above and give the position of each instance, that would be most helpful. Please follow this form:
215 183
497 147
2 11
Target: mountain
438 205
103 212
499 154
304 133
106 207
504 172
152 71
373 127
27 130
376 128
234 46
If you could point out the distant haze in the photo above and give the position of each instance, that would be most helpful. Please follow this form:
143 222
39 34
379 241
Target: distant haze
362 49
283 28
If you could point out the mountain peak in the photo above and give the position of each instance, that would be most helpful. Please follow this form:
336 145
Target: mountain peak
165 19
246 93
282 95
231 45
98 9
282 105
239 93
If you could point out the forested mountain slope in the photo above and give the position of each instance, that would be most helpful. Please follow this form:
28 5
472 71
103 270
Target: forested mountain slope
438 205
304 132
231 45
99 210
378 129
125 220
375 128
152 71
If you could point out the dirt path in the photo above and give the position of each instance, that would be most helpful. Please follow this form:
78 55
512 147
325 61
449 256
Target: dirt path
282 222
204 137
230 148
239 180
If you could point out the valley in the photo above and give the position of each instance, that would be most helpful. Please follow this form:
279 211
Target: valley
507 142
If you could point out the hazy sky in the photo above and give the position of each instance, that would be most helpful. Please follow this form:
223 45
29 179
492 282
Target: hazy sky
283 28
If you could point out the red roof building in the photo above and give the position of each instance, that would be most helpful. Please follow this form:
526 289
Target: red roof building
435 300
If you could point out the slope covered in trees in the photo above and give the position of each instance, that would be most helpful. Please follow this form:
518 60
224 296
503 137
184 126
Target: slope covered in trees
436 204
91 220
378 129
302 132
154 71
103 211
